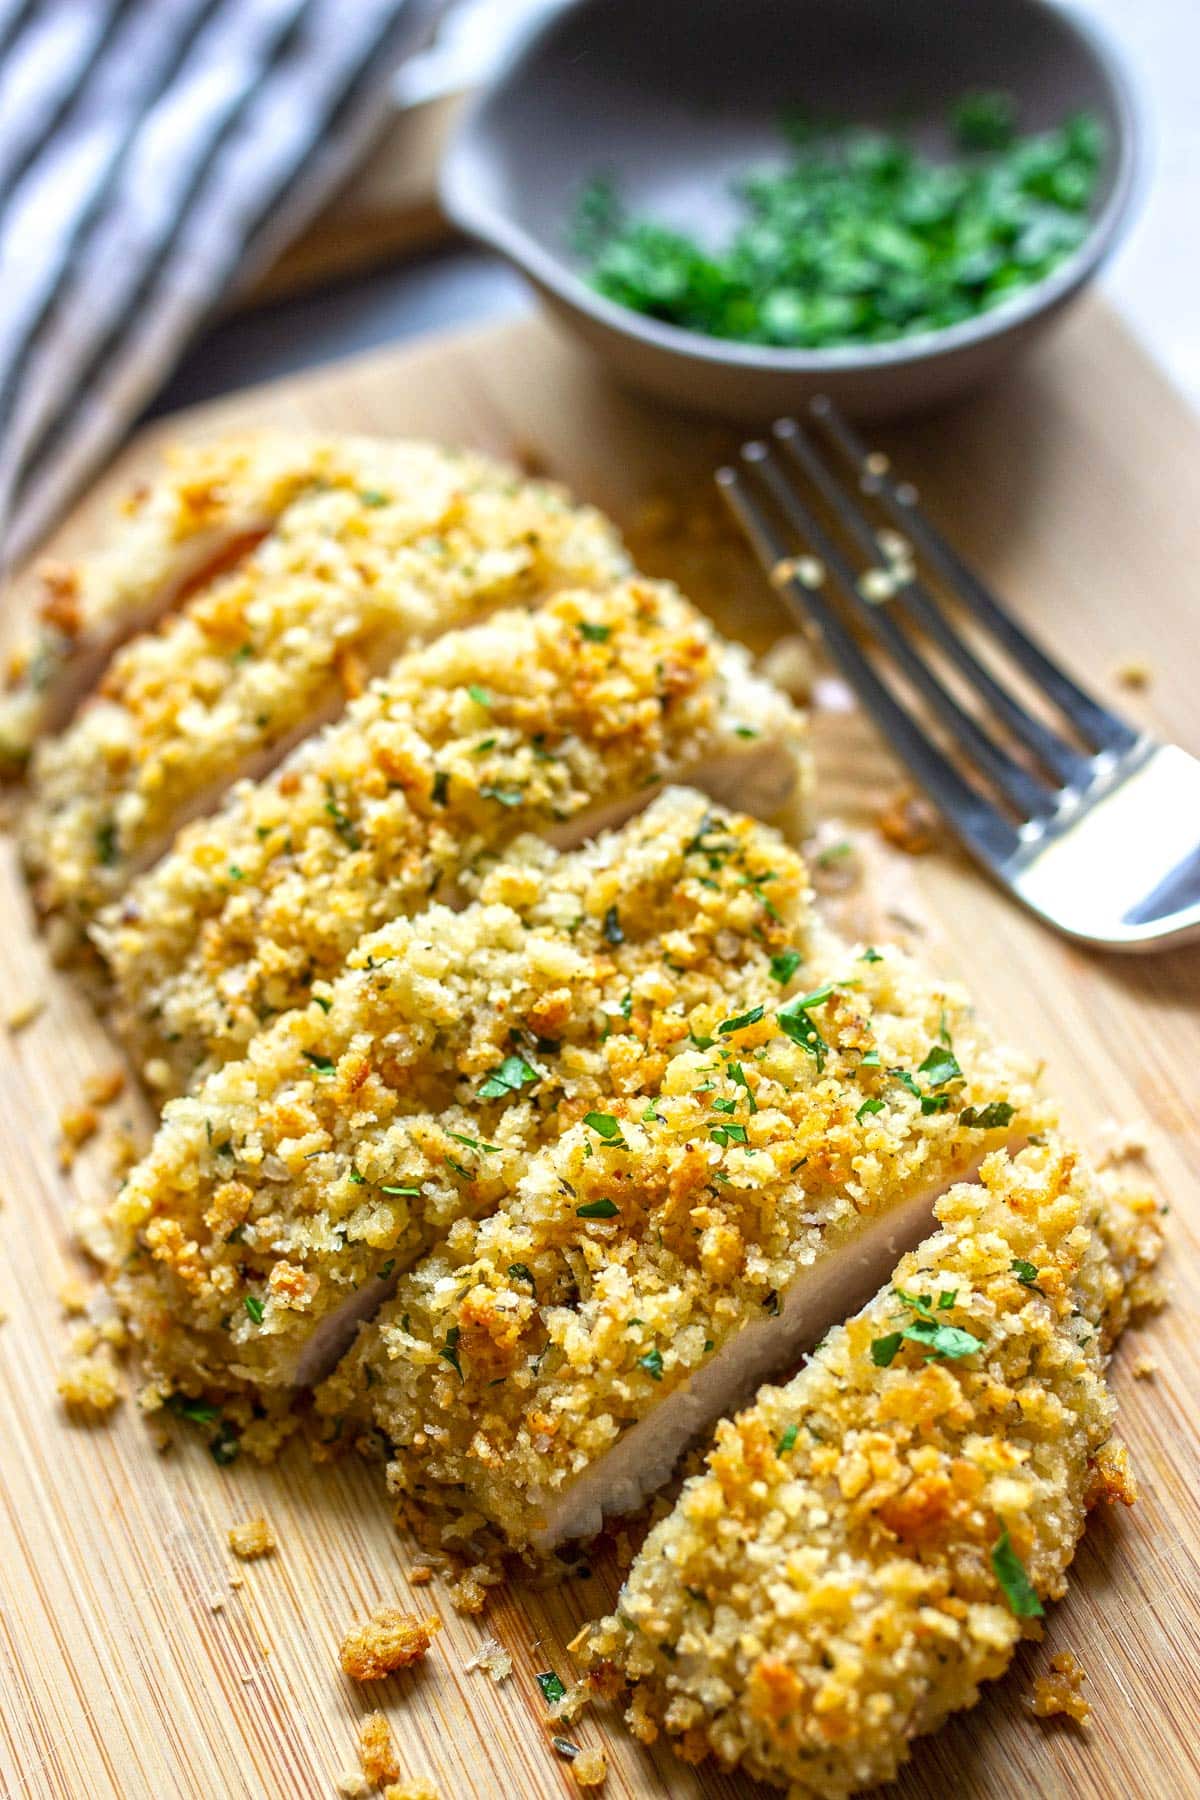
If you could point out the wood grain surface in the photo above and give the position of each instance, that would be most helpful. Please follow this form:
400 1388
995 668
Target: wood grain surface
132 1667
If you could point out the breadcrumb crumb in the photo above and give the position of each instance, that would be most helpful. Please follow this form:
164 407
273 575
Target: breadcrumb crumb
74 1297
1059 1691
589 1769
252 1539
77 1124
102 1089
417 1787
389 1640
1144 1367
1134 674
909 822
493 1658
352 1784
24 1012
376 1750
92 1384
420 1576
1120 1142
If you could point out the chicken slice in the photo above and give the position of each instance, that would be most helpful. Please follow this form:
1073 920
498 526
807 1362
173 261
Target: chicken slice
278 1201
348 576
210 507
865 1543
670 1251
559 721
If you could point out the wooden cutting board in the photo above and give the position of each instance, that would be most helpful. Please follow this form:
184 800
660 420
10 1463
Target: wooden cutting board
131 1666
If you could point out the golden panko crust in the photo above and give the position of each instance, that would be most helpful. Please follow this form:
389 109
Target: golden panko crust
648 1237
415 1089
864 1543
389 1640
390 545
525 722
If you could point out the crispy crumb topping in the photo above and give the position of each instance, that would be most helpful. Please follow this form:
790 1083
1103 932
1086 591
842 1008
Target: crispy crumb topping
376 1750
517 724
389 1640
252 1539
865 1543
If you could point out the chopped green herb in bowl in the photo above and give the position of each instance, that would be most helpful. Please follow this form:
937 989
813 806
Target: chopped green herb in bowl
859 238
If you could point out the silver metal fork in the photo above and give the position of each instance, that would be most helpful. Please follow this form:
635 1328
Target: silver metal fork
1092 824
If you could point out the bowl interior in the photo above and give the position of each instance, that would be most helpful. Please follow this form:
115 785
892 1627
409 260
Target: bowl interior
673 98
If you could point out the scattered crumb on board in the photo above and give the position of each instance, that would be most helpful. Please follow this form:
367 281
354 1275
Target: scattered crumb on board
389 1640
1144 1367
376 1750
492 1658
251 1539
77 1124
589 1769
909 822
24 1012
1060 1690
102 1089
417 1787
1120 1141
1134 673
89 1383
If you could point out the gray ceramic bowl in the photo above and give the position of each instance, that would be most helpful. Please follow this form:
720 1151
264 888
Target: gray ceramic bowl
675 97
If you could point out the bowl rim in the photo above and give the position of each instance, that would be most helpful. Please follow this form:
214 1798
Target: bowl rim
460 202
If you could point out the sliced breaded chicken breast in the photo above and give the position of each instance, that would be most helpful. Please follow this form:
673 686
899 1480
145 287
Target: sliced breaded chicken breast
559 721
208 509
865 1543
348 576
549 1363
278 1201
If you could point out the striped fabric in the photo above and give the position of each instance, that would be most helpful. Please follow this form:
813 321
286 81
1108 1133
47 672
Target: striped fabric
154 154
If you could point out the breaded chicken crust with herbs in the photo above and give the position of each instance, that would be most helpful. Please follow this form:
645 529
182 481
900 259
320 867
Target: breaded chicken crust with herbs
865 1543
206 510
389 546
549 1363
279 1199
556 721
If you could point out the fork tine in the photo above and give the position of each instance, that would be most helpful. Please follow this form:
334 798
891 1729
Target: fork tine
1029 796
1066 764
1102 729
976 820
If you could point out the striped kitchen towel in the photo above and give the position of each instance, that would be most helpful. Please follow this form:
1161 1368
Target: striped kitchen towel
153 155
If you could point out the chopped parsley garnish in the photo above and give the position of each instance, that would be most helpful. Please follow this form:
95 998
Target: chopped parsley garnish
106 843
787 1439
196 1412
387 1187
1010 1572
504 796
652 1362
474 1143
322 1064
225 1447
479 695
870 954
940 1067
747 731
441 787
793 1019
612 927
519 1272
372 497
604 1126
449 1351
784 966
738 1074
255 1308
1025 1272
513 1074
992 1117
342 823
741 1021
552 1688
597 1209
937 1340
594 634
860 237
727 1134
325 1005
866 1109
